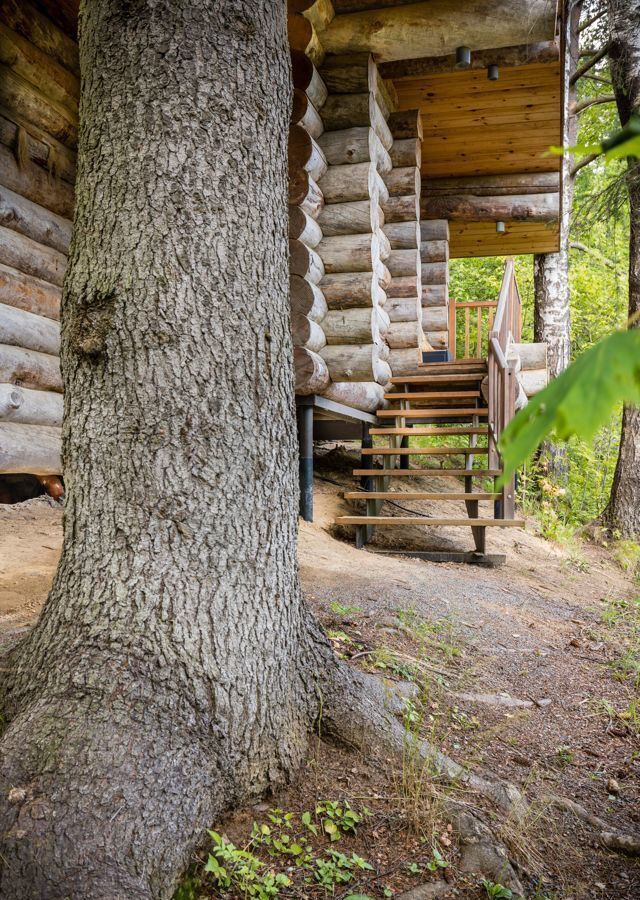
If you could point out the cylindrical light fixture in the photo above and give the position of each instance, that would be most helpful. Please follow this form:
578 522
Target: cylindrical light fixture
463 57
493 73
501 228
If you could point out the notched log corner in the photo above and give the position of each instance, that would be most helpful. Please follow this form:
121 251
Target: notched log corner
90 315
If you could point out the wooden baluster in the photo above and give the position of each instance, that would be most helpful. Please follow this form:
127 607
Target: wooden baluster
479 332
453 322
492 313
466 332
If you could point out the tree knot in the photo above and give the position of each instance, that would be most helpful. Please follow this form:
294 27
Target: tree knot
90 320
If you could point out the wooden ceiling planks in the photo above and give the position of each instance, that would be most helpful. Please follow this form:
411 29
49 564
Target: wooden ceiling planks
473 126
480 239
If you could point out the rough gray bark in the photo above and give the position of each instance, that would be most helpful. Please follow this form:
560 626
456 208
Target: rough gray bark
623 511
166 678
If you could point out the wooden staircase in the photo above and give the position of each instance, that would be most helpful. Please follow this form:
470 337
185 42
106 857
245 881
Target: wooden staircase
445 401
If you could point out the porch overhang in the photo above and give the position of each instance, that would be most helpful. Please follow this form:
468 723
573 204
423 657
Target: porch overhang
485 148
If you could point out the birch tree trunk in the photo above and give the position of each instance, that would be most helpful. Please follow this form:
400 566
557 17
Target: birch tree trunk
623 511
551 270
166 678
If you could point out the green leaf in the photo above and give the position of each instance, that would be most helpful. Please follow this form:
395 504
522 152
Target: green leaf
629 147
358 897
577 149
579 401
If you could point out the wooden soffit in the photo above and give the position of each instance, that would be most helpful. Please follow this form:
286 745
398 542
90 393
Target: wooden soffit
476 127
521 238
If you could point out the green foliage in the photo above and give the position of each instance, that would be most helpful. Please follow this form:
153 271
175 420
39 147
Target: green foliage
496 890
437 861
343 609
336 868
239 870
339 818
579 401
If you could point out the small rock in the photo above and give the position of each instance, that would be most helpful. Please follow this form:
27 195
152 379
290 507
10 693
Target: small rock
542 703
521 760
425 891
16 795
613 787
496 700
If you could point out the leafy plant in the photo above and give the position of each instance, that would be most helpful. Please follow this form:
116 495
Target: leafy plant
336 868
437 861
232 868
496 890
338 818
308 823
579 401
343 609
564 755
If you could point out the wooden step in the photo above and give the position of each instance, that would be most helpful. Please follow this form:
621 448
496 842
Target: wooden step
421 451
474 361
417 495
433 395
433 413
423 520
417 473
431 430
437 379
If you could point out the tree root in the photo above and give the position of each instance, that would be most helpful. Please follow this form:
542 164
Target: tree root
359 710
612 840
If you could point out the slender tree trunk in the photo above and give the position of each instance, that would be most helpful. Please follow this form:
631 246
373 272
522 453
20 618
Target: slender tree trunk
623 511
551 270
169 674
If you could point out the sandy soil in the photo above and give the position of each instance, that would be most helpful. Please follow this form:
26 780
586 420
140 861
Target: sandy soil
30 542
532 631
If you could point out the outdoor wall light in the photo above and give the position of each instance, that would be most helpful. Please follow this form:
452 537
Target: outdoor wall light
501 228
493 73
463 57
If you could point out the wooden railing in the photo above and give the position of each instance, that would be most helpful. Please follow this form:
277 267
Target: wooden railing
478 322
502 378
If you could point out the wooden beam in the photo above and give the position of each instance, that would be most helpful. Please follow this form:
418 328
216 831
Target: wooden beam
521 55
517 208
427 29
493 185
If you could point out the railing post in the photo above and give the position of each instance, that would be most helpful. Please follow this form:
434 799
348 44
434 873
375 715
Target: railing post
509 402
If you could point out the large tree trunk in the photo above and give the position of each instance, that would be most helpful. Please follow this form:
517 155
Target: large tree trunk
165 679
623 511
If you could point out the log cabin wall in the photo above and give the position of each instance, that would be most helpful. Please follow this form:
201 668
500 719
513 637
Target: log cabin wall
354 247
402 228
39 92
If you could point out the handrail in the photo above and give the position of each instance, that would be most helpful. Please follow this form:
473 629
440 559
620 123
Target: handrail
473 304
497 350
502 378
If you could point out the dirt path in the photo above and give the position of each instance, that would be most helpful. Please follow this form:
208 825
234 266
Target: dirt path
538 635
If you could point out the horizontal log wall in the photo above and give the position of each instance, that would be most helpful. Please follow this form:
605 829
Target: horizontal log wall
434 256
402 229
307 166
338 157
39 93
